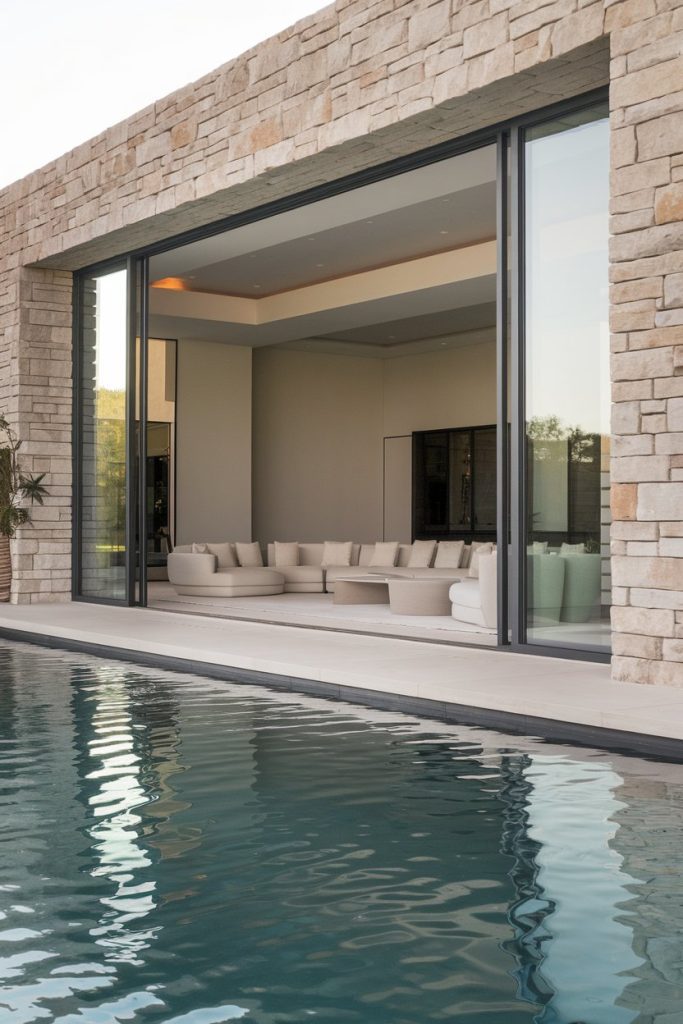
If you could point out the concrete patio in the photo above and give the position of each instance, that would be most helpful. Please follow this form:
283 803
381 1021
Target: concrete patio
558 698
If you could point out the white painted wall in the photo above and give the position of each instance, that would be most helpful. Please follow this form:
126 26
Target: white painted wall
213 442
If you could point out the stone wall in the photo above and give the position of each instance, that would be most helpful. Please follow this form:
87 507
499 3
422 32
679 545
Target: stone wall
356 84
41 407
647 341
350 87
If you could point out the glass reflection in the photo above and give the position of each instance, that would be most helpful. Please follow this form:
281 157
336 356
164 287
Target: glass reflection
567 381
103 436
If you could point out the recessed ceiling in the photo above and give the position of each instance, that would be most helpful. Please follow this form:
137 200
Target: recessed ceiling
444 323
438 225
442 208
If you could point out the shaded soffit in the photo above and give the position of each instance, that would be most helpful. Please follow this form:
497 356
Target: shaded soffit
401 261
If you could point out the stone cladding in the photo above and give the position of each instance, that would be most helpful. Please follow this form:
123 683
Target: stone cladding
350 87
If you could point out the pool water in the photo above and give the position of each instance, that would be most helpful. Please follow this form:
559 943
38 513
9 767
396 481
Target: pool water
182 850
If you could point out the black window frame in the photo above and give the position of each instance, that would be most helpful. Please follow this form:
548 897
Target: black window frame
508 138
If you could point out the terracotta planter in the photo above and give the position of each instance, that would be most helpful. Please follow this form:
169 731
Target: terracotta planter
5 569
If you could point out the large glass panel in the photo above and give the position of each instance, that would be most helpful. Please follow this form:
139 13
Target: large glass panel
160 474
103 436
567 381
485 481
460 481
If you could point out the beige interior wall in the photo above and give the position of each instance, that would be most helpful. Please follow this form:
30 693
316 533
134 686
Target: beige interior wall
320 423
317 446
213 461
453 388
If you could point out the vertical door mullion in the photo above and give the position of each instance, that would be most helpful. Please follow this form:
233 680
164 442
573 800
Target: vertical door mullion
143 280
518 460
502 448
76 437
131 445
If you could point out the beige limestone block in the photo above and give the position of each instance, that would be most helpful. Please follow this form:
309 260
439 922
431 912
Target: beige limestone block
669 204
623 501
660 501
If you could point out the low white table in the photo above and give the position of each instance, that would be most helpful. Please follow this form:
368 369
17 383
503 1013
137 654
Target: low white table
421 596
405 595
361 590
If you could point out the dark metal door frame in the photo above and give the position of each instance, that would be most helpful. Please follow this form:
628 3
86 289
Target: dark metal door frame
508 138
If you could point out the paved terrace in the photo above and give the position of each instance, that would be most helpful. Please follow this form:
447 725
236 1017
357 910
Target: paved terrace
553 697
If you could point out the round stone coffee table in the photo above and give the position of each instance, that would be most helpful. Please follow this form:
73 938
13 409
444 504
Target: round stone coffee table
421 596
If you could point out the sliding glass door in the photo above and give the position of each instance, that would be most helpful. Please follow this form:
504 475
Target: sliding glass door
101 410
109 381
538 481
565 373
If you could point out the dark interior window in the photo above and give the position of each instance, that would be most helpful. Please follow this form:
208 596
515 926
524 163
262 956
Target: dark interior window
454 483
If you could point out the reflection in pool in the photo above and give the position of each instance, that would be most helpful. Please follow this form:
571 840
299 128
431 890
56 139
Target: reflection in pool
180 850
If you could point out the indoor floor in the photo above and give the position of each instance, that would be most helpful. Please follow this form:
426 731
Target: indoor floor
317 611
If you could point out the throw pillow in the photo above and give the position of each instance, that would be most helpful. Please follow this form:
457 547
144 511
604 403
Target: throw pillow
448 554
573 549
385 554
421 554
336 553
249 554
538 547
286 553
225 555
481 549
200 549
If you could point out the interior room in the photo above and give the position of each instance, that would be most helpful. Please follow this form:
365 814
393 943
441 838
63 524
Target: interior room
329 375
321 409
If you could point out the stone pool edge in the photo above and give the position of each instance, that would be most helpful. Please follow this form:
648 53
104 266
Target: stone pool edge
626 741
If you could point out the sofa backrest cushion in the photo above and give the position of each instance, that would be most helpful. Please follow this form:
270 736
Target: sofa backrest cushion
225 554
284 553
573 549
249 554
422 555
478 550
337 552
309 554
449 554
385 554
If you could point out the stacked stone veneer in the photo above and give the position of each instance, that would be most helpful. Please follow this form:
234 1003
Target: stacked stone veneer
647 344
356 84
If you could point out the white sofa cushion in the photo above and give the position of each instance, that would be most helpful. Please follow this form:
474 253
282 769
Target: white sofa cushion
422 554
225 554
477 552
286 553
573 549
475 600
249 555
449 554
385 554
337 553
200 549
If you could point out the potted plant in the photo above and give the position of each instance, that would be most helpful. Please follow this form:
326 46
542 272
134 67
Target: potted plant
16 489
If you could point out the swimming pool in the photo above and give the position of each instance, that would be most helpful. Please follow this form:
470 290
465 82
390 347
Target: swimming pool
183 850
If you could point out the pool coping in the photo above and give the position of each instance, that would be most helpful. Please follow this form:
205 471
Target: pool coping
579 733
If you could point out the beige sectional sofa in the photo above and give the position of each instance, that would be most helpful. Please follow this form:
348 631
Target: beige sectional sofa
196 574
201 574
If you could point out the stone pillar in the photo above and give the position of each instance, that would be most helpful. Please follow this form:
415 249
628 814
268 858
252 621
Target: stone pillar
646 273
39 404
